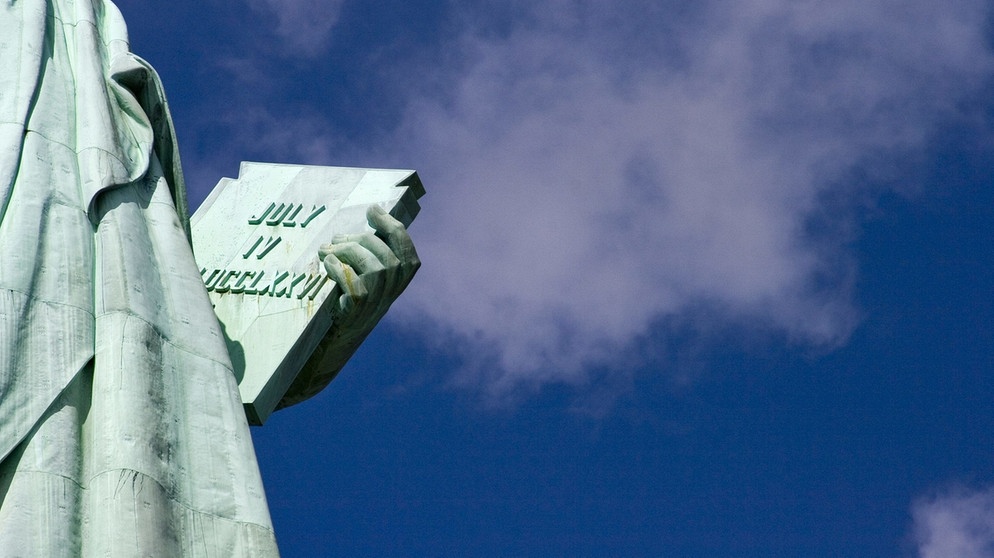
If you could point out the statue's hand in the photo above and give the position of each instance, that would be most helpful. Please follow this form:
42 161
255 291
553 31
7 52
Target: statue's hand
371 269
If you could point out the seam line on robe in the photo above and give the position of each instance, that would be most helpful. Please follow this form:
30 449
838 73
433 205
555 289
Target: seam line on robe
48 473
75 24
72 22
172 498
166 339
71 207
46 301
70 149
149 477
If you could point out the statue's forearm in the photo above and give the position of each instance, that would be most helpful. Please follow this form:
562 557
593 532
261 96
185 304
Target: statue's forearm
328 359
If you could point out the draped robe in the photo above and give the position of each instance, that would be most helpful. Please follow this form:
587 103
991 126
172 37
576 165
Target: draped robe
121 429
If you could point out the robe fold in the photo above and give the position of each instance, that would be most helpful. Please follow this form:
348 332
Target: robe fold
121 429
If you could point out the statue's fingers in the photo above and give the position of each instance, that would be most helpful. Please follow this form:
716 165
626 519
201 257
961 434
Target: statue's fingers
392 244
379 219
394 276
379 248
343 238
352 287
371 242
375 285
355 255
345 304
394 235
340 273
324 250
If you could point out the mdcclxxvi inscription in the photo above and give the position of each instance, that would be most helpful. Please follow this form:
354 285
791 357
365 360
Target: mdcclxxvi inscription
274 283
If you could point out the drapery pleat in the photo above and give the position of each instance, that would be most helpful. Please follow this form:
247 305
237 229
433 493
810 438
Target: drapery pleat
121 429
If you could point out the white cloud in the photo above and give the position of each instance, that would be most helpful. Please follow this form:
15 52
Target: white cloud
595 169
958 525
304 26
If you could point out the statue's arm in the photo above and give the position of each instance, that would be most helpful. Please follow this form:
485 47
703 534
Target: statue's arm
371 269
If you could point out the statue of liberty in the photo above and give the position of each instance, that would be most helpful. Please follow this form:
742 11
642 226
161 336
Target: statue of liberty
121 428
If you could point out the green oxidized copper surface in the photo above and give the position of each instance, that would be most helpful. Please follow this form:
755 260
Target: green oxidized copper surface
122 431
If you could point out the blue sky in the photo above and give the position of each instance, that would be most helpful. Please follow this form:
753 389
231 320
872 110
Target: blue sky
700 278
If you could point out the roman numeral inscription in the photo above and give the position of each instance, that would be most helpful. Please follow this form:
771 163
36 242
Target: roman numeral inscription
270 244
274 284
271 283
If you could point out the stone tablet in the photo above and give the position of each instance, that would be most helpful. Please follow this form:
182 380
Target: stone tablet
256 241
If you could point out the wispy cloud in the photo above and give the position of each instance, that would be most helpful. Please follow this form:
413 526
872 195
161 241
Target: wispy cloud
601 172
591 179
959 524
303 26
